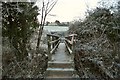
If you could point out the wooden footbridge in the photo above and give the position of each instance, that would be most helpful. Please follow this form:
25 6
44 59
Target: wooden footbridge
61 58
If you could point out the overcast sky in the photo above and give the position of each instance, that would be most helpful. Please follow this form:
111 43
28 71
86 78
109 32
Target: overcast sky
69 10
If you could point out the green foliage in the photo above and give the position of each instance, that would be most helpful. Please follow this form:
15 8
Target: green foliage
99 21
113 34
19 19
99 39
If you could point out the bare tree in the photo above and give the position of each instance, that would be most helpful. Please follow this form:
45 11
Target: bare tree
47 6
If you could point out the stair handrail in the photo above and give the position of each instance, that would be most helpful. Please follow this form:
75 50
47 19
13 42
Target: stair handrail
69 42
53 42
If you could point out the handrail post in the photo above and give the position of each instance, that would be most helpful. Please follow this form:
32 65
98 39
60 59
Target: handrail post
73 50
74 43
53 45
49 46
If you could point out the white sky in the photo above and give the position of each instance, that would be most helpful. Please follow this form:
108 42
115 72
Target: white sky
69 10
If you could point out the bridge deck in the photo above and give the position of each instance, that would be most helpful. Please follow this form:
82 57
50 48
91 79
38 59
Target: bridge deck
61 65
61 54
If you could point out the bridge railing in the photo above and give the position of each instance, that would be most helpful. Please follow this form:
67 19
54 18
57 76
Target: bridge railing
53 42
69 42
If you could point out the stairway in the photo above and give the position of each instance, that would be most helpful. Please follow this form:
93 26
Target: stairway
61 65
60 70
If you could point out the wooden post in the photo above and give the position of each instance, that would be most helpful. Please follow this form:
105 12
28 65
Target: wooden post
74 43
73 50
53 38
49 47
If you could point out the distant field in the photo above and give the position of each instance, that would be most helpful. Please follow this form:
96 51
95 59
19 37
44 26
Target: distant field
56 28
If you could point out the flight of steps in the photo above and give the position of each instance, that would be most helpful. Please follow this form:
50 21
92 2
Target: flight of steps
60 70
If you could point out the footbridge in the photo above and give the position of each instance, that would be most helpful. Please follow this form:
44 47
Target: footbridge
61 56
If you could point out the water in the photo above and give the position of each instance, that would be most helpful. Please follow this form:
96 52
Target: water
56 28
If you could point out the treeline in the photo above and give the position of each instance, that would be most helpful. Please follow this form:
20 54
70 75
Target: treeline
99 41
57 23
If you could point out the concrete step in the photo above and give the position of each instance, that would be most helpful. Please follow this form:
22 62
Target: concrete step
60 64
59 72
